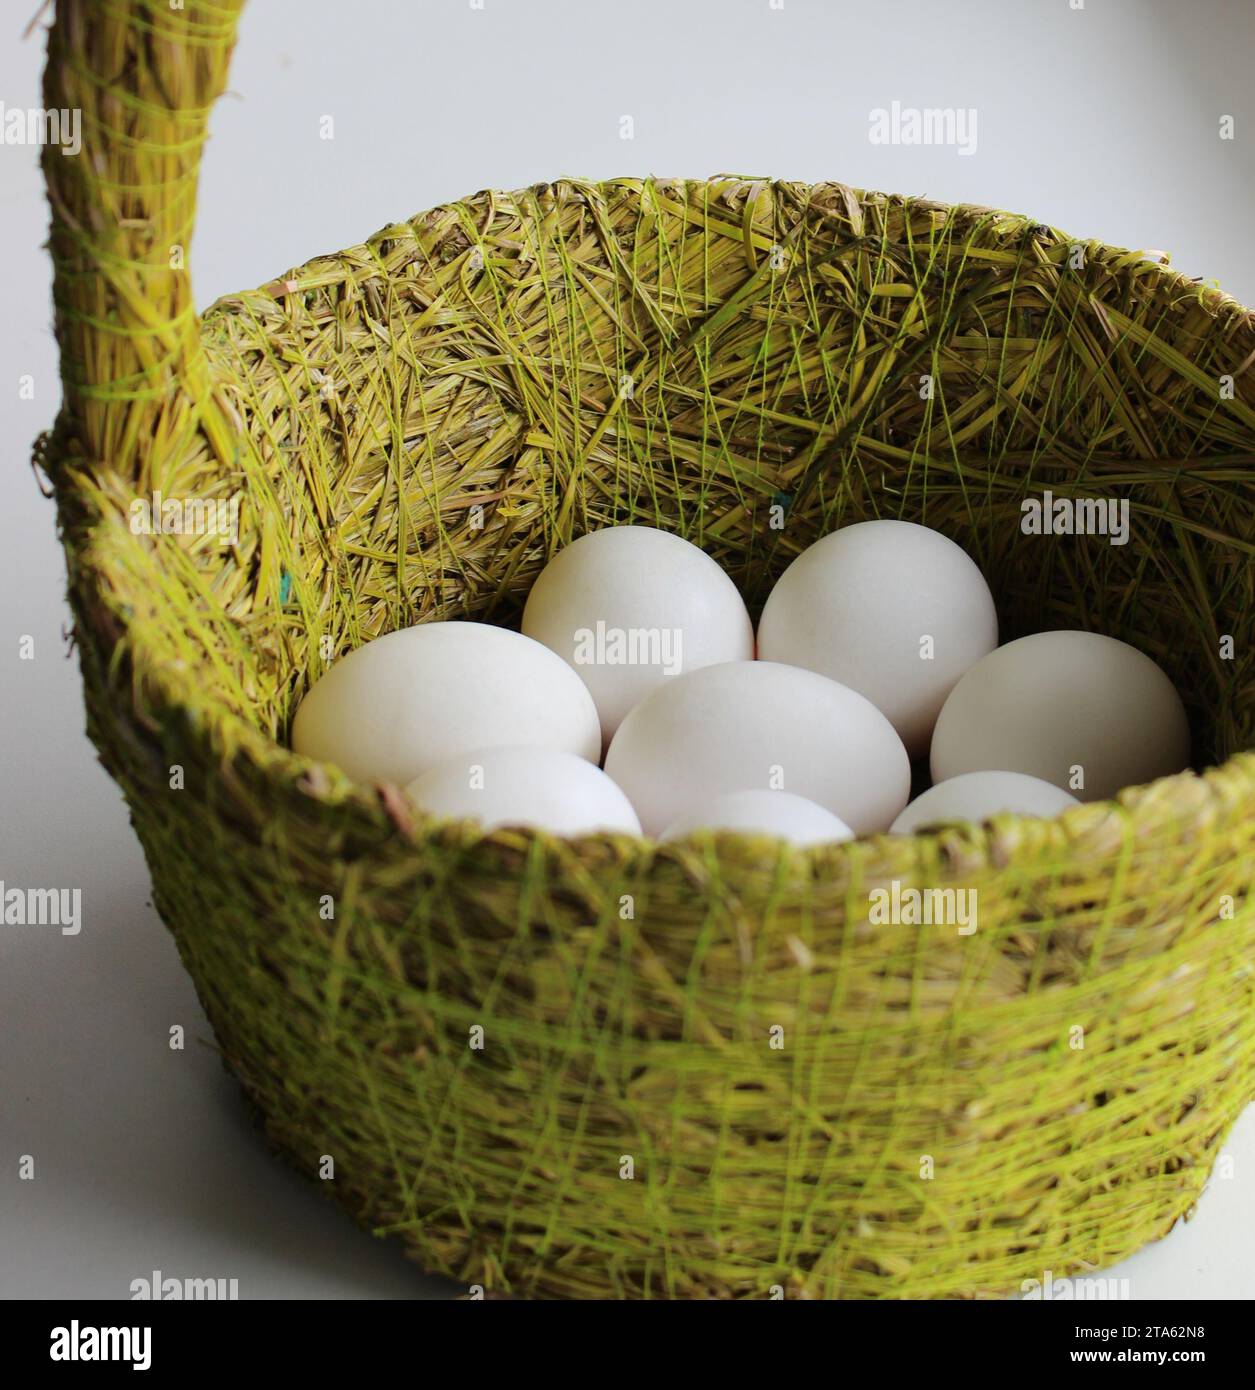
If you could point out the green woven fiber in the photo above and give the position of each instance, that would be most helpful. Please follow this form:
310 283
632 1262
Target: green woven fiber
947 1116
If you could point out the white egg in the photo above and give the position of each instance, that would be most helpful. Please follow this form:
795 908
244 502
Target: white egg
396 706
629 607
757 724
781 814
535 787
1059 701
979 795
893 610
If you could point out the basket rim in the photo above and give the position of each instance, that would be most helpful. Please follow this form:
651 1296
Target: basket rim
999 223
382 808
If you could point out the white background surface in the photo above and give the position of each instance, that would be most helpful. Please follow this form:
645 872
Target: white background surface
1102 121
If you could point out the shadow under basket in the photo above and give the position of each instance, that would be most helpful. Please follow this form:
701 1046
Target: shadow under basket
603 1067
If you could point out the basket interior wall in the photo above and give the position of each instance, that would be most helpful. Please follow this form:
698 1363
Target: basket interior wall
426 417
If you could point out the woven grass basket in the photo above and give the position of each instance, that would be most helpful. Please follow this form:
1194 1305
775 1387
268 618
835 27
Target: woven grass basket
703 1072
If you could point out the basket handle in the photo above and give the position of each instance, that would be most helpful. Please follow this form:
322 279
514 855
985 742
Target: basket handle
139 78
